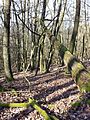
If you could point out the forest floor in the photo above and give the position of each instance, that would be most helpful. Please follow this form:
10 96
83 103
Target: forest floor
54 91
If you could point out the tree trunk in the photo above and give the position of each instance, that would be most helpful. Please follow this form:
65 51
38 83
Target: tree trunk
34 37
17 41
76 68
42 60
52 39
76 24
62 16
6 40
23 42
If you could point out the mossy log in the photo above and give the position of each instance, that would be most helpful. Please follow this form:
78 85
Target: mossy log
24 104
76 68
41 111
14 105
34 104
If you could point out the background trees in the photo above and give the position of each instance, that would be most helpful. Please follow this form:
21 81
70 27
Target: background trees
33 36
33 25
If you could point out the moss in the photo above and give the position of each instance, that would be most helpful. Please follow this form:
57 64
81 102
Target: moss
67 57
2 89
76 104
62 50
14 92
9 79
79 75
41 111
85 87
53 117
79 103
76 68
67 72
34 105
84 81
72 60
51 106
14 105
88 102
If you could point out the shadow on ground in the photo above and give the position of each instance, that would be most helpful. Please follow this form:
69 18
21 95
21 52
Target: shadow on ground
50 88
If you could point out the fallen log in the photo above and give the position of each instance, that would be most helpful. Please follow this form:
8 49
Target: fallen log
76 68
14 105
41 111
34 104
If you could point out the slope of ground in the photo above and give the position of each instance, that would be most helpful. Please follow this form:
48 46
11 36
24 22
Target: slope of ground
54 91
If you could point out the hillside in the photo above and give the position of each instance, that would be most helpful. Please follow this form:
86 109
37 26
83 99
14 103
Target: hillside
54 91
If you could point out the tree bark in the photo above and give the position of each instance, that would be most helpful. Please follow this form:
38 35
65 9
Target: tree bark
76 68
42 57
76 24
6 40
53 37
34 104
18 40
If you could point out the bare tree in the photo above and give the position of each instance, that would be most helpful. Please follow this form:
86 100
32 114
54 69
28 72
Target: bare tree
43 37
6 40
18 40
76 24
52 39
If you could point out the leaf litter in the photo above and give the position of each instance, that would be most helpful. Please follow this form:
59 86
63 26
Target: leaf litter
55 92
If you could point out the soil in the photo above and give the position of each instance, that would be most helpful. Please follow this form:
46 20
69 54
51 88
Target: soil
55 92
